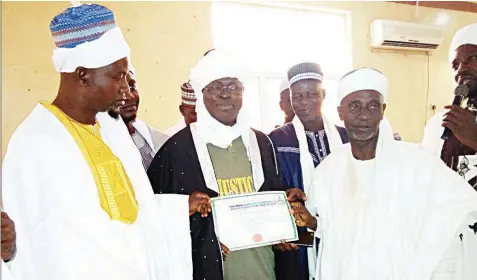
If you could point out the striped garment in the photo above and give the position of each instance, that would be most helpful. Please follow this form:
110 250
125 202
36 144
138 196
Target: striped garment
147 153
81 24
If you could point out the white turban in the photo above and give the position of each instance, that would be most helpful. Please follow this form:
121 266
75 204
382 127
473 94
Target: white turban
363 79
109 48
284 85
214 66
465 35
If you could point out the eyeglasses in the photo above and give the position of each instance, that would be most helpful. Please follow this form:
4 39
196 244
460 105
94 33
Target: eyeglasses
216 90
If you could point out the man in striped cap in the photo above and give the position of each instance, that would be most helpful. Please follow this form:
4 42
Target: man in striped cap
187 109
73 181
304 143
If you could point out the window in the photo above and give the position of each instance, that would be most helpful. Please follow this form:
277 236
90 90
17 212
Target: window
269 39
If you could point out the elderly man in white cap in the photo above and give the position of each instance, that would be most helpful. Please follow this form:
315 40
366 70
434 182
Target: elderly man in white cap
384 209
219 155
73 181
459 151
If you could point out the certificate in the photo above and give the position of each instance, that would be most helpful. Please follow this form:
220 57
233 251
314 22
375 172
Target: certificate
253 220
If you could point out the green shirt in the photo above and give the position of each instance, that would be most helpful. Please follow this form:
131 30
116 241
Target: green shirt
234 176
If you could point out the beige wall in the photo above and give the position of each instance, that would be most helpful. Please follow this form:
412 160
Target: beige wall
167 38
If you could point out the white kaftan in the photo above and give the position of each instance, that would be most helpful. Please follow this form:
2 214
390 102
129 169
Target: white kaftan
62 231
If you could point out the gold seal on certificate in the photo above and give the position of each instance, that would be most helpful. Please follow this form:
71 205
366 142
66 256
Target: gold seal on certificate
253 220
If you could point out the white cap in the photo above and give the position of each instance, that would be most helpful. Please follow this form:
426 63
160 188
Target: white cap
465 35
363 79
284 85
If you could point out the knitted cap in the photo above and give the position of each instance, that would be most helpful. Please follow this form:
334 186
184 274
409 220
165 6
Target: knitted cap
86 36
81 24
304 71
188 95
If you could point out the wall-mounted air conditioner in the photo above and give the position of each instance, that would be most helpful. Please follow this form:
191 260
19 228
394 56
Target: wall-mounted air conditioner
389 34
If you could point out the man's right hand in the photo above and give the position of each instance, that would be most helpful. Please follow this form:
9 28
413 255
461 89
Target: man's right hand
199 202
225 251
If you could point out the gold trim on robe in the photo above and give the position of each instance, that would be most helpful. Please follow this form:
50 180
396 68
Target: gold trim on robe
115 190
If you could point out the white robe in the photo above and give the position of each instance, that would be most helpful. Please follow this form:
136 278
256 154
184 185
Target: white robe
154 138
62 231
398 224
433 143
6 274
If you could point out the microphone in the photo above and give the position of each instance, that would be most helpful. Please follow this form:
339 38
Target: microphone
460 93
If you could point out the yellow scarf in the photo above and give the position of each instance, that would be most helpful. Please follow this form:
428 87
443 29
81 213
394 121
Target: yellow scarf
115 190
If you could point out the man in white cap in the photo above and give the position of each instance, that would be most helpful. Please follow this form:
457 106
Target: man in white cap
384 209
285 101
147 138
219 155
459 152
73 181
305 142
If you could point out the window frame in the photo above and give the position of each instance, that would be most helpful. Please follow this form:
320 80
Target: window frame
262 76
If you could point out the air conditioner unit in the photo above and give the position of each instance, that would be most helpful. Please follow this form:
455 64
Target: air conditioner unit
389 34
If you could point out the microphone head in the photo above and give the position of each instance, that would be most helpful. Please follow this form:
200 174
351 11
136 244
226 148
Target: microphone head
462 90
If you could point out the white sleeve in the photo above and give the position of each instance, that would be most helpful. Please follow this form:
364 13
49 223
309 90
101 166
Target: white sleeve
431 140
447 267
50 243
6 274
16 183
312 202
174 219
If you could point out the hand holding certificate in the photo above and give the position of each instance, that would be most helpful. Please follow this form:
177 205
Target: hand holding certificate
253 220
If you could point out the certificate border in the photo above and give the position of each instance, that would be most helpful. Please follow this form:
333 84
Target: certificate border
295 230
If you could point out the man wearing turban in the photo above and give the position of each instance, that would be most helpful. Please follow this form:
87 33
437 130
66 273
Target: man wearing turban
459 152
219 155
73 181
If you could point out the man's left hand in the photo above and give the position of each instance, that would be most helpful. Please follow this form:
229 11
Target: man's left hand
295 194
463 124
8 238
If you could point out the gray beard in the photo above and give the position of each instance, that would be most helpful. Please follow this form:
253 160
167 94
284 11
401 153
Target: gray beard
366 137
361 137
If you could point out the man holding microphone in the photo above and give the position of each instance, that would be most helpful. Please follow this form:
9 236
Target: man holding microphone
457 147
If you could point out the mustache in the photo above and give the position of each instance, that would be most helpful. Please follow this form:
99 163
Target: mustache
466 75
